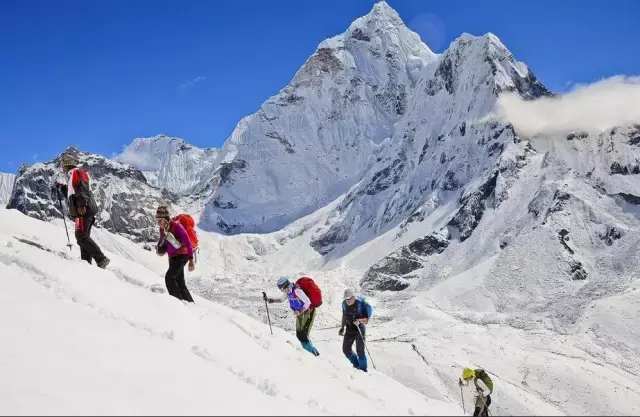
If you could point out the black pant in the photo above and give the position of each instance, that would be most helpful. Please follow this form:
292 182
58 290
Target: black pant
88 248
351 335
174 278
485 411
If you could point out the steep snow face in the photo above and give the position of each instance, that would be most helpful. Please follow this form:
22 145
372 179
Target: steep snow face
127 203
442 147
6 186
117 341
316 138
169 162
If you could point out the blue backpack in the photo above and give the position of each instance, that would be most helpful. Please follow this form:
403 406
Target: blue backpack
360 302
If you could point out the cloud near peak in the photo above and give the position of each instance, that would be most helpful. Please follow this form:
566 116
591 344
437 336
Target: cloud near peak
607 103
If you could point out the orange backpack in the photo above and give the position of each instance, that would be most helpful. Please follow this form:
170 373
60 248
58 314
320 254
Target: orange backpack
189 225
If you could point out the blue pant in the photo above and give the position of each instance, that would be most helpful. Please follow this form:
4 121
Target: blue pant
359 361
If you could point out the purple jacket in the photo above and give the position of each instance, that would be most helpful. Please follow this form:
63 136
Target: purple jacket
180 234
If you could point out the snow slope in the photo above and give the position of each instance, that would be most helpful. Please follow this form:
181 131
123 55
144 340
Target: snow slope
80 340
169 162
6 186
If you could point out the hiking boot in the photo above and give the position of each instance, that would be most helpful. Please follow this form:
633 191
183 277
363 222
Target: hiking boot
103 263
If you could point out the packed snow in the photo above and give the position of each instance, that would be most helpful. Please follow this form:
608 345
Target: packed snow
6 186
80 340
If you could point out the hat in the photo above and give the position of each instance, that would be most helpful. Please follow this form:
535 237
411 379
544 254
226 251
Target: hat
468 373
68 159
283 282
348 293
162 213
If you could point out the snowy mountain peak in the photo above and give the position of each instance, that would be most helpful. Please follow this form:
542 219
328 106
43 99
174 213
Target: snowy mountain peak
170 162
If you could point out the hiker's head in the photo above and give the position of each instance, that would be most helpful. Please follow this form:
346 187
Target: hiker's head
284 284
349 296
163 217
68 162
468 373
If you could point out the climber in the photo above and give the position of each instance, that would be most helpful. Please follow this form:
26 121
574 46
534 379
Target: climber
482 387
355 314
175 242
82 208
304 296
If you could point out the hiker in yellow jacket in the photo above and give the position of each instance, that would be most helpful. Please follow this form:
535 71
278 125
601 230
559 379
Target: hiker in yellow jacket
482 388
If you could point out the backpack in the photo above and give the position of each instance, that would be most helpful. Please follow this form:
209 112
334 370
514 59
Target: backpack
482 375
311 289
361 302
189 225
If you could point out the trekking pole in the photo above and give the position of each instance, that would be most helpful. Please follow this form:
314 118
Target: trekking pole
366 347
264 295
462 396
64 220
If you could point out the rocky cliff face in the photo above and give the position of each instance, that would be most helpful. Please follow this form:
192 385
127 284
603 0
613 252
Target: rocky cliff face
127 201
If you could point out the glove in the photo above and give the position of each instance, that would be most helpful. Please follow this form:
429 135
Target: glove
341 332
459 382
82 210
356 322
58 184
264 296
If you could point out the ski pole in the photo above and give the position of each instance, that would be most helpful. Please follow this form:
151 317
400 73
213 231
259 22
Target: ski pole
63 219
264 295
366 347
462 396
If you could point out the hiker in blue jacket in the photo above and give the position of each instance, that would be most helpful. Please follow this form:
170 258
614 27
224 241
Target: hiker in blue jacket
355 314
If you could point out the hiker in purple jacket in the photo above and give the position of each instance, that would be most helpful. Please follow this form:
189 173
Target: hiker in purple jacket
175 242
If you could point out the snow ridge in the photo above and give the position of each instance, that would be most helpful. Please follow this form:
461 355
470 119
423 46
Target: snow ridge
170 162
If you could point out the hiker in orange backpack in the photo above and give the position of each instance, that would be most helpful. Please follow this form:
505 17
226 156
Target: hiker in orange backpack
304 297
174 241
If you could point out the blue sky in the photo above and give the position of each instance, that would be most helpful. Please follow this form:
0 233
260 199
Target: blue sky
98 73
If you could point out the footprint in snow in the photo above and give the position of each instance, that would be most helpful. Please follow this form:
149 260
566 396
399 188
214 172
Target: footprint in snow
198 351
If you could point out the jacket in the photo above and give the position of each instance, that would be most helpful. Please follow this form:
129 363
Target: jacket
298 300
176 241
78 193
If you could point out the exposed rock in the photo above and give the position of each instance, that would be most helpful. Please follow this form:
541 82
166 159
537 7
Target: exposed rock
474 204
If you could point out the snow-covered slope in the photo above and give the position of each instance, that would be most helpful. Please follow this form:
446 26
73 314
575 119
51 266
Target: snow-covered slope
6 186
126 201
169 162
80 340
316 138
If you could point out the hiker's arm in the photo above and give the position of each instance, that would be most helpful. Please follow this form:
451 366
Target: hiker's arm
364 316
183 238
277 299
303 297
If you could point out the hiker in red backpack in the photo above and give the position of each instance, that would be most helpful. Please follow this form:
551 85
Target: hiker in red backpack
304 296
174 241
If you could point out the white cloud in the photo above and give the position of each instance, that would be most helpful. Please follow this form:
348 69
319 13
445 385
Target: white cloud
190 83
141 161
604 104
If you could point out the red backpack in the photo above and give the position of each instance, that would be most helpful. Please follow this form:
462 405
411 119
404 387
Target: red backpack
189 225
311 289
